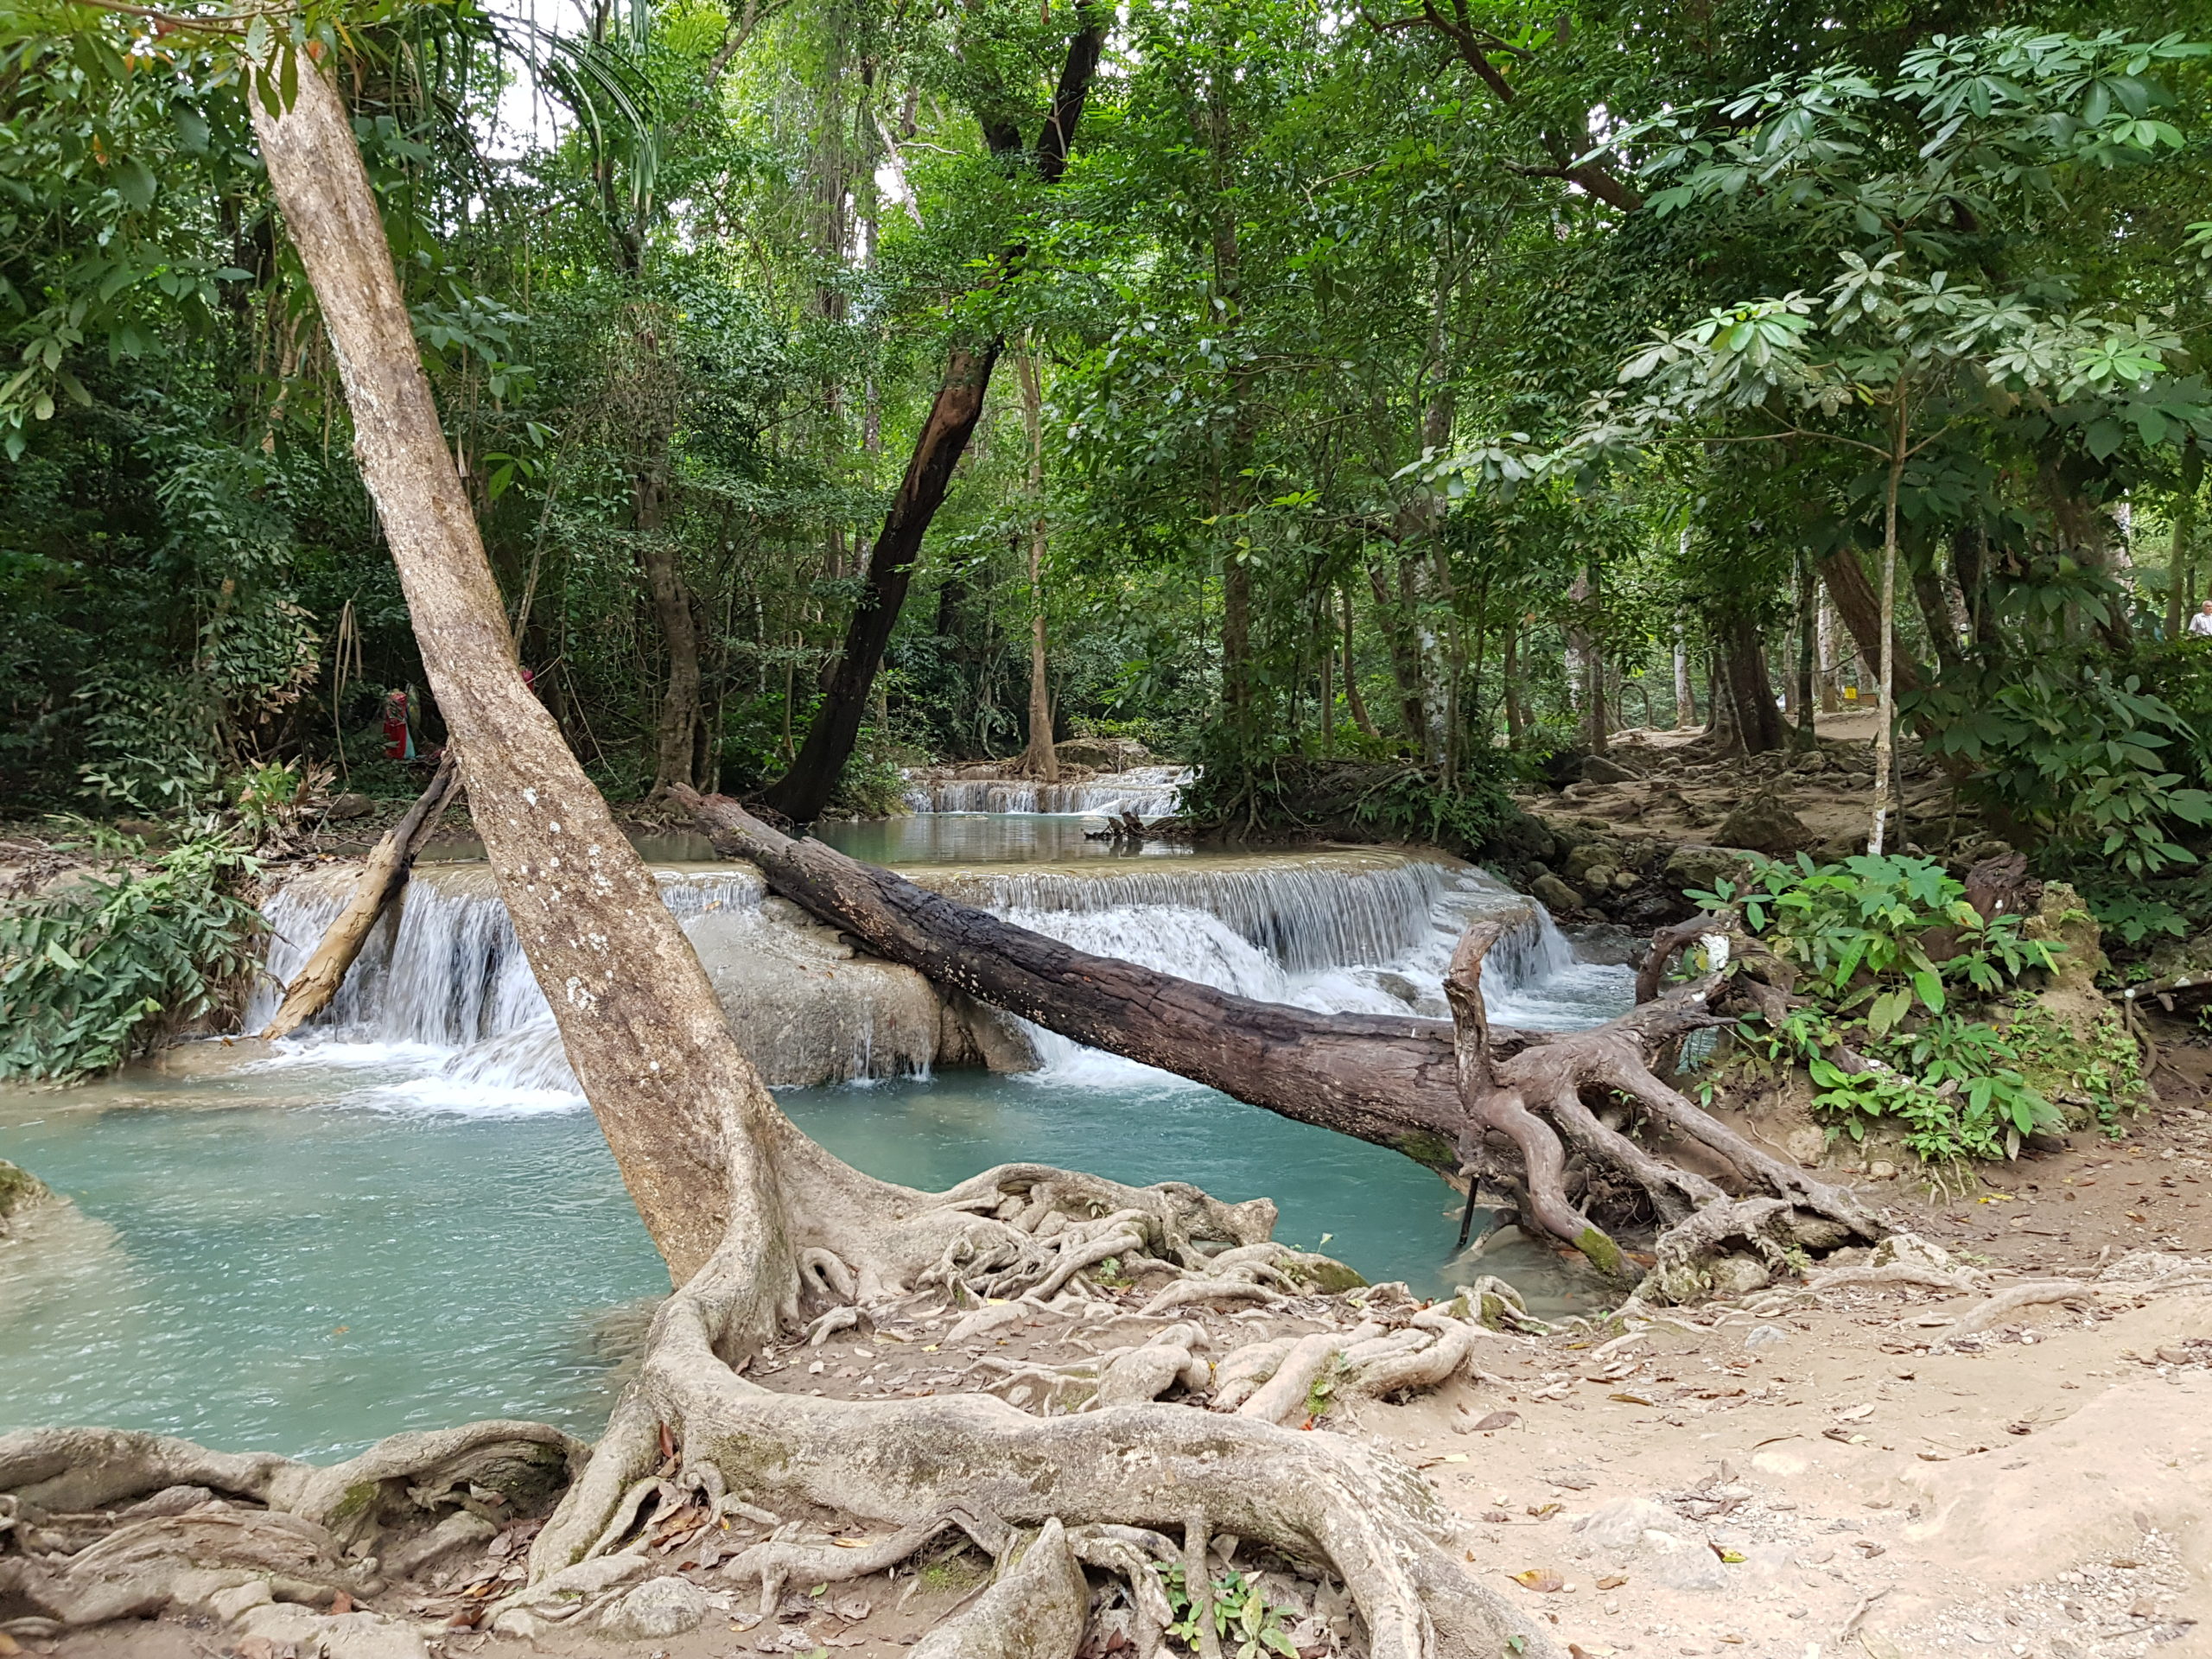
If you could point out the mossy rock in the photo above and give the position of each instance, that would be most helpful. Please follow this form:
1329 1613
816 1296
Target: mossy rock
19 1190
1323 1276
2062 918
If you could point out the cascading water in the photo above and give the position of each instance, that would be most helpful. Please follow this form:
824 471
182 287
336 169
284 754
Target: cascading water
1148 791
447 983
1307 910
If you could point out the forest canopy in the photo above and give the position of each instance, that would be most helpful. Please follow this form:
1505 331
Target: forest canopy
1438 385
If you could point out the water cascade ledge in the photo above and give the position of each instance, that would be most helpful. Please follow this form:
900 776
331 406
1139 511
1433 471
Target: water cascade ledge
1339 931
1148 791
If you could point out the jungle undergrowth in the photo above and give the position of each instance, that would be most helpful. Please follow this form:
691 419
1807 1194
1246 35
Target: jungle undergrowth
1909 1007
102 969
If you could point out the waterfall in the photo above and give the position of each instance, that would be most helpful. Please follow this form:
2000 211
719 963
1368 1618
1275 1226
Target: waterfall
1148 791
1310 910
1338 930
450 972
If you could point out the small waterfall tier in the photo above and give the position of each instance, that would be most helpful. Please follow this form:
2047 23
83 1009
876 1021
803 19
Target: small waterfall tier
1148 791
1336 929
1309 911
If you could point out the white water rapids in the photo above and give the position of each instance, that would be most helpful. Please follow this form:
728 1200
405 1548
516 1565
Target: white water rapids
1339 931
1148 791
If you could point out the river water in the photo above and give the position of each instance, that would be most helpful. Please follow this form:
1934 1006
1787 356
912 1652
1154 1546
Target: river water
407 1218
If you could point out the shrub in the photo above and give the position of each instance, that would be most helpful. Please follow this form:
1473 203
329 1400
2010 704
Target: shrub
1947 1053
103 969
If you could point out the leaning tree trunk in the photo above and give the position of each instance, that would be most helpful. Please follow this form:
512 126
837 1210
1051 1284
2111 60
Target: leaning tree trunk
802 792
637 1015
383 875
1406 1084
753 1218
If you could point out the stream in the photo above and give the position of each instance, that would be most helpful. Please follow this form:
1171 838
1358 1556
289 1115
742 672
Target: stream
406 1218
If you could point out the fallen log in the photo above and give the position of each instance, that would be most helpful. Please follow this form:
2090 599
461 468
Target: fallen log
381 879
1390 1081
1494 1105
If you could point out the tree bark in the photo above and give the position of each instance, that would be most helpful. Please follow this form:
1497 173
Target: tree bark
1685 699
1040 760
675 729
1885 735
637 1017
1860 607
802 792
1808 649
1353 700
1405 658
383 875
1831 672
1755 723
1587 656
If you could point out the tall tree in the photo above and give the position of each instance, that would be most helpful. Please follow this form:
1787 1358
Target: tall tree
802 792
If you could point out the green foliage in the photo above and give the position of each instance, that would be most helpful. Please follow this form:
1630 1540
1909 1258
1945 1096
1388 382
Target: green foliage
1955 1083
2080 757
2101 1066
273 799
1397 800
695 319
2134 917
1859 932
101 969
1246 1626
1861 936
873 784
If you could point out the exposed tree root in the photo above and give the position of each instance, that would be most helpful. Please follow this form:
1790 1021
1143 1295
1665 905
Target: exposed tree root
976 1461
2137 1276
1534 1099
214 1522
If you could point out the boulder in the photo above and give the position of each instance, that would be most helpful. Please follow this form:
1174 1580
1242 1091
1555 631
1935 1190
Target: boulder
1597 769
1910 1250
1739 1276
348 805
1765 825
656 1608
1697 866
1555 894
19 1190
